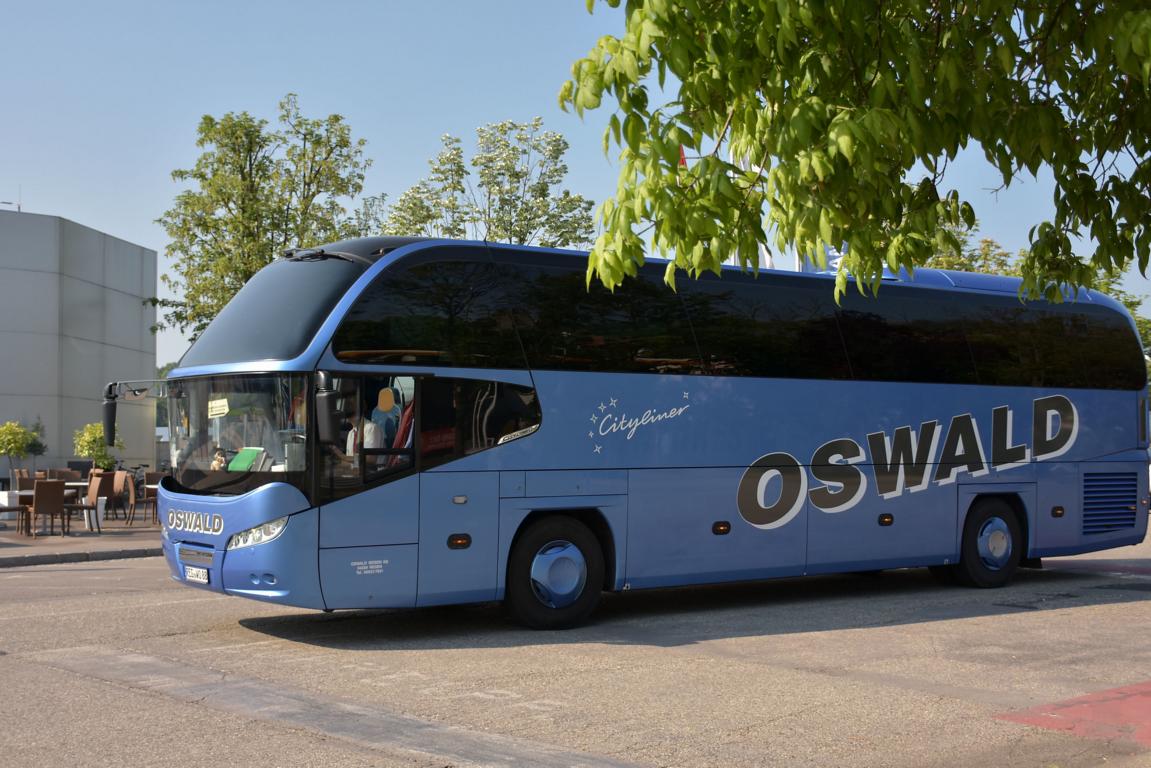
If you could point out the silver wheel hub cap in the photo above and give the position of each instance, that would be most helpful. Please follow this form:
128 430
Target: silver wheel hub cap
558 573
994 543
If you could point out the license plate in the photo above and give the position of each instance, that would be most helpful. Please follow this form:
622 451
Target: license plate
198 575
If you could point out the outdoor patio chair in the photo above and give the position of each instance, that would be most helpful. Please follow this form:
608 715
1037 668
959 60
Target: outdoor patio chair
153 479
48 500
144 501
119 496
98 485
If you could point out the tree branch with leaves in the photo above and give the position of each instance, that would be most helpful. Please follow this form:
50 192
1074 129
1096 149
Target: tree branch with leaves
839 119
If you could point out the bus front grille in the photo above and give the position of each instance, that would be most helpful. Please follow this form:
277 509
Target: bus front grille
1110 500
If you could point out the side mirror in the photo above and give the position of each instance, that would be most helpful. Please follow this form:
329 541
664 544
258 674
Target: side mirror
327 411
328 416
110 415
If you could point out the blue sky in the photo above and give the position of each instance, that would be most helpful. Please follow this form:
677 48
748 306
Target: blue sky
99 102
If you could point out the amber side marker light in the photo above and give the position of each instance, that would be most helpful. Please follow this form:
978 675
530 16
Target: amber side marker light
1058 512
721 528
459 541
886 519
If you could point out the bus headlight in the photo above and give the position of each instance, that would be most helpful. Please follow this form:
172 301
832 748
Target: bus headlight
261 534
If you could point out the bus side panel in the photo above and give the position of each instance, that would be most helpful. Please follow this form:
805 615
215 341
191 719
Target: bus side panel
386 514
1058 486
369 577
513 512
454 503
922 532
671 539
1105 505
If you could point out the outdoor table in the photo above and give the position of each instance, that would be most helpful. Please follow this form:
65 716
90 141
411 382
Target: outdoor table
76 487
26 497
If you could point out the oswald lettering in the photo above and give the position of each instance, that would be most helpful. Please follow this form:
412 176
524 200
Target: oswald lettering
195 522
902 461
844 484
753 488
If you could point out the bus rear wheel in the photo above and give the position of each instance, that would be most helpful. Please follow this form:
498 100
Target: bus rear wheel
992 545
555 574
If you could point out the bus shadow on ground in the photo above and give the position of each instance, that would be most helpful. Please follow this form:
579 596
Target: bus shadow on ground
688 615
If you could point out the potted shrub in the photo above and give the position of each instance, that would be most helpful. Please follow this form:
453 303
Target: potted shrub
88 443
14 440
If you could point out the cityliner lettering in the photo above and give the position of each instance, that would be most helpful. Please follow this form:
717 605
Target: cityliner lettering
195 522
908 460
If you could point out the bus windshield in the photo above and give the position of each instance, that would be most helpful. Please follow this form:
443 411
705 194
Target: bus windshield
231 434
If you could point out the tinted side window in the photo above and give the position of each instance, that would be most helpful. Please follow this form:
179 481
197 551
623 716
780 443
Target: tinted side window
434 312
906 334
1109 355
459 417
641 327
766 326
1036 344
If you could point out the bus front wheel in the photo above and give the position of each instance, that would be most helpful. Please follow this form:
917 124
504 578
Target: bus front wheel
555 574
992 545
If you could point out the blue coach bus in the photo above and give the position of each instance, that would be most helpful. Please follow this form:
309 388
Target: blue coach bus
395 422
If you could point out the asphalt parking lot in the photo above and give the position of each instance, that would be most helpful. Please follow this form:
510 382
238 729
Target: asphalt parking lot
111 663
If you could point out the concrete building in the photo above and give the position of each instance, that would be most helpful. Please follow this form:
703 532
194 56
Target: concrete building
72 318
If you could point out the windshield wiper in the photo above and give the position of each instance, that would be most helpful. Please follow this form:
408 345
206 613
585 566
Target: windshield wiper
319 254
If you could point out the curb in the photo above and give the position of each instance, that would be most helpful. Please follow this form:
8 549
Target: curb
17 561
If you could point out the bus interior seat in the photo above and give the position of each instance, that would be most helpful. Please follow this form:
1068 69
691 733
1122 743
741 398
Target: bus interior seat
403 437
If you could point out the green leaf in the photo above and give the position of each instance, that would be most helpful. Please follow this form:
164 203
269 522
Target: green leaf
633 131
1006 60
846 145
824 226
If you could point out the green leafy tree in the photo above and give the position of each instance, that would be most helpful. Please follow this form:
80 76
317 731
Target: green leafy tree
514 195
987 256
88 441
14 440
838 119
255 191
368 219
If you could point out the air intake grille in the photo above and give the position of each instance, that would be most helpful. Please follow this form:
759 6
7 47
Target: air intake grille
1109 501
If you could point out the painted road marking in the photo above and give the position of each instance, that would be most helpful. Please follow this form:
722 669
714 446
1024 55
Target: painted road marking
1119 713
365 726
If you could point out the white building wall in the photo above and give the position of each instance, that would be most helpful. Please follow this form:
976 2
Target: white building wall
73 318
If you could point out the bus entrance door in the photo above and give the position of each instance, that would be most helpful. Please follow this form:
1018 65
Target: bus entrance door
368 548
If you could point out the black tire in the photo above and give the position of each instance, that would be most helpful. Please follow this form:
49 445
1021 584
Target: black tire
526 603
992 524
